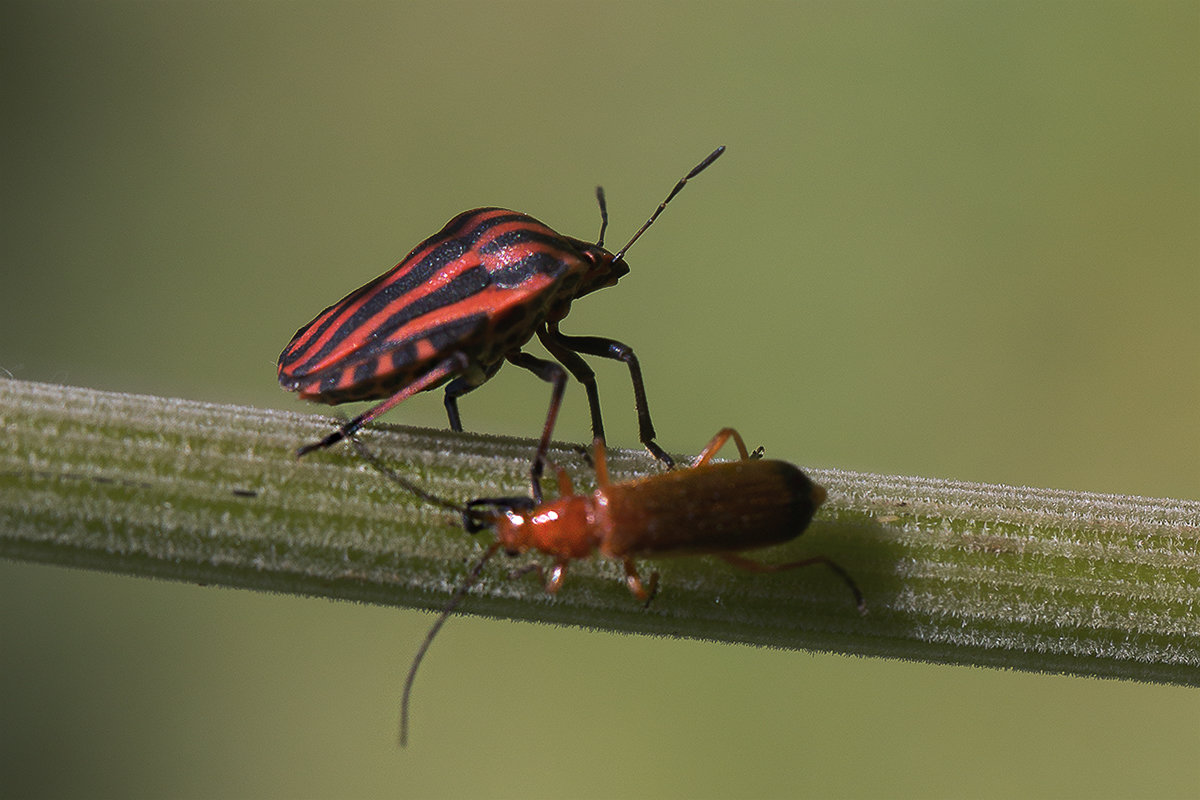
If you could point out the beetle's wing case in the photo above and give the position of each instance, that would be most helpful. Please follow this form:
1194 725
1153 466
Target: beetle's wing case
480 287
727 506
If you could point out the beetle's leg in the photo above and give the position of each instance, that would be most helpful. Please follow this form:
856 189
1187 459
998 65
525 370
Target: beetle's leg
582 373
554 374
521 572
557 574
565 487
758 566
600 462
453 365
717 443
634 582
460 386
610 348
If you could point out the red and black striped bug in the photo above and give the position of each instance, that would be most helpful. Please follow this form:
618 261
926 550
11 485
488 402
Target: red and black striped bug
457 307
709 508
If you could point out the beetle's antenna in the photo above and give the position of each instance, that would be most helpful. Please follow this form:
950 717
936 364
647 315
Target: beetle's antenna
713 156
473 520
603 215
455 601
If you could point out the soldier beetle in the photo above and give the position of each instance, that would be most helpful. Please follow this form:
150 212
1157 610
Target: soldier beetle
708 508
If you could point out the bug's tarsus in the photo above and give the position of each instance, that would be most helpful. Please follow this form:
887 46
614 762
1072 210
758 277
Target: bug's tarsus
453 604
343 432
696 170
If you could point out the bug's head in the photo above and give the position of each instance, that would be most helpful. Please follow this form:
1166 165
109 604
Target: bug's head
604 268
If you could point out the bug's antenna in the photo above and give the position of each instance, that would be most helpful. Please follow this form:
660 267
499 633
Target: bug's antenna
713 156
603 215
455 601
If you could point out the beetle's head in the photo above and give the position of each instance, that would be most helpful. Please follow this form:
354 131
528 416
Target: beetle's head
504 515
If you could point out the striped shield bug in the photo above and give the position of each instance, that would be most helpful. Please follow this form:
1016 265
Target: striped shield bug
457 307
709 508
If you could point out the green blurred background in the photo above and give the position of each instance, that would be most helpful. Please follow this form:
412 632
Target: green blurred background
948 239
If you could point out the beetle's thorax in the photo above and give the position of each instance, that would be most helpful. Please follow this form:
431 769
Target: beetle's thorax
559 528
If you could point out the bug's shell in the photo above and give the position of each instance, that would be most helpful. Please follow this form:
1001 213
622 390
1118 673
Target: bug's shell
481 286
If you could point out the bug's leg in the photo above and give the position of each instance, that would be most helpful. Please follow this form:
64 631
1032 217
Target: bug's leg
582 373
717 443
454 364
636 587
454 390
758 566
610 348
460 386
554 374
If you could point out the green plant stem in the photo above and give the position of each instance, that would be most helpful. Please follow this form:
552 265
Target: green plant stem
953 572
